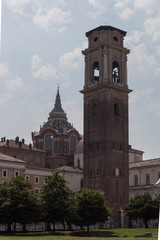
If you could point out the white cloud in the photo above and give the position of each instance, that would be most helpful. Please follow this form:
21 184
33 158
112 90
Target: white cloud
36 61
141 61
5 97
14 84
45 18
121 4
3 70
154 107
137 95
45 72
100 7
134 37
123 8
149 6
152 27
17 5
126 14
158 50
42 71
71 60
61 30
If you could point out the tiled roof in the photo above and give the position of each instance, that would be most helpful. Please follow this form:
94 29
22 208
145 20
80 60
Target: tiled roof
135 150
69 169
145 163
13 144
5 157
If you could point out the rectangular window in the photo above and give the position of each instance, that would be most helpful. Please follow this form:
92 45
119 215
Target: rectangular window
4 173
26 158
27 178
36 180
16 173
37 160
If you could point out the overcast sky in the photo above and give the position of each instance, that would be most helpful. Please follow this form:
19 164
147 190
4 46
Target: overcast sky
41 48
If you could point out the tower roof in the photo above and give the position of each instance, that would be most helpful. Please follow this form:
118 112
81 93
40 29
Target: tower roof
57 117
105 28
57 105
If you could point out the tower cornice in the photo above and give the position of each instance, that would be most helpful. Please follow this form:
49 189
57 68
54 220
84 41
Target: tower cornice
105 85
107 46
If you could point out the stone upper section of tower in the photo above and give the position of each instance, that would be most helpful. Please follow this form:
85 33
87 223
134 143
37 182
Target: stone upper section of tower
106 35
57 119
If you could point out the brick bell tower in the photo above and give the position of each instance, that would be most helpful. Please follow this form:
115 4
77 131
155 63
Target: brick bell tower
106 156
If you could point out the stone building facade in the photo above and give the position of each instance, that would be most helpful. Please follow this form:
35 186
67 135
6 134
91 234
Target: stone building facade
11 167
143 176
17 148
57 137
106 148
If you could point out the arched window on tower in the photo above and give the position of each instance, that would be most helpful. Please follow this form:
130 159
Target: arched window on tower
72 143
95 72
48 143
116 109
115 72
94 109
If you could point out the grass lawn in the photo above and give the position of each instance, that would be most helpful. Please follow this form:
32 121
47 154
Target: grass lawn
93 235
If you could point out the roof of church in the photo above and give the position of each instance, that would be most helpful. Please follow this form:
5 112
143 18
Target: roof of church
145 163
57 118
58 105
5 157
69 169
18 144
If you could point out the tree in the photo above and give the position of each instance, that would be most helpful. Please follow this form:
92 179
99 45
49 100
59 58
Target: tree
57 201
91 208
5 205
142 207
156 204
18 202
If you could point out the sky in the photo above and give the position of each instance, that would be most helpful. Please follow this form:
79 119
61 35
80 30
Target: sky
41 44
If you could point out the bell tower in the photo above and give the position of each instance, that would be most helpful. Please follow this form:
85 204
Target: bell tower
105 91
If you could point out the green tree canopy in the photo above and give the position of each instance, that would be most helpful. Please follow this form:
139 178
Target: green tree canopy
142 207
18 202
91 207
57 200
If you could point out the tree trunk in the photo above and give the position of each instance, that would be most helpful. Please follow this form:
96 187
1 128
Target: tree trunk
54 228
64 226
145 223
47 227
14 226
24 227
87 228
9 227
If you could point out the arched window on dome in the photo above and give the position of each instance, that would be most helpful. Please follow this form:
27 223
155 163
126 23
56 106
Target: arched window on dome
72 143
48 143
